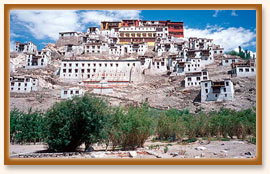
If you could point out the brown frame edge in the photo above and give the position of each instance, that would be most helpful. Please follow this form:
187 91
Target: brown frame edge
254 161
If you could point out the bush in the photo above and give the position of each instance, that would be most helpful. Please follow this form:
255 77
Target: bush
169 126
130 128
26 127
73 122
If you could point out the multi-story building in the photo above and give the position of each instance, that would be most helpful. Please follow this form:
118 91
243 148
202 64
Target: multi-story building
199 43
127 49
95 47
146 34
195 78
108 25
38 60
23 84
243 69
29 47
93 71
217 91
228 60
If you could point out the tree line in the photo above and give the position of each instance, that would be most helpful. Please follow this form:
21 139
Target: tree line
89 119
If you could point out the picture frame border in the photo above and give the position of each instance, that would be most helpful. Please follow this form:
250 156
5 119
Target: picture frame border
200 161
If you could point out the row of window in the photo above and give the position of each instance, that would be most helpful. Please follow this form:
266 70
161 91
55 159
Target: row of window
246 69
97 64
138 28
71 92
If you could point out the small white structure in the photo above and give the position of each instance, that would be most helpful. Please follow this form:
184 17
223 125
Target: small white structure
245 69
217 91
228 60
39 60
195 78
23 84
95 47
127 49
29 47
71 92
217 50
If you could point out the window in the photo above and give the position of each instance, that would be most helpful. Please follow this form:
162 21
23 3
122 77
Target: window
77 92
70 64
65 92
204 73
76 70
252 69
12 83
189 78
247 69
19 84
227 61
64 70
227 83
82 70
216 95
88 70
70 70
225 95
206 90
82 64
65 65
241 70
224 89
71 92
198 78
205 84
25 84
117 65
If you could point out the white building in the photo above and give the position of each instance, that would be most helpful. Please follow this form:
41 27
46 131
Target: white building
71 92
29 47
127 49
92 71
228 60
38 60
95 47
188 66
23 84
199 43
245 69
217 50
195 78
217 91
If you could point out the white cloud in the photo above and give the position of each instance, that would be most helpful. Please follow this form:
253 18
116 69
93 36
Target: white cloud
44 24
229 38
96 17
47 23
234 13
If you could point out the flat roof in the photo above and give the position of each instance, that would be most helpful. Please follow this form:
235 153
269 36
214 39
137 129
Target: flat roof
104 60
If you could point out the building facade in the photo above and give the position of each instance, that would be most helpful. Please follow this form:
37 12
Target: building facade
23 84
217 91
96 70
71 92
195 78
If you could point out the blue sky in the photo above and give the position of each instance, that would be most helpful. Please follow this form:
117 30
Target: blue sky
227 27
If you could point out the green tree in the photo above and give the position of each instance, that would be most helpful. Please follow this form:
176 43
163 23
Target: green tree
73 122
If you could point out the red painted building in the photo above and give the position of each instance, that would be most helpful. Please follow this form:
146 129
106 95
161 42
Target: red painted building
175 29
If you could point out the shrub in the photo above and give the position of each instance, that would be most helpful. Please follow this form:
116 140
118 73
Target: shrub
169 126
73 122
130 128
26 127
